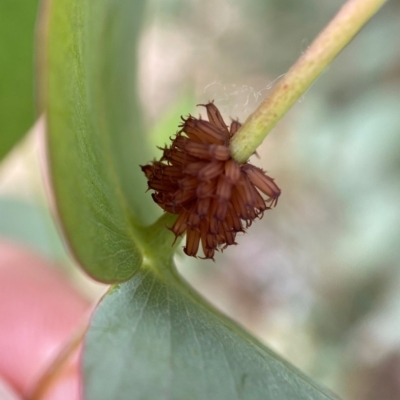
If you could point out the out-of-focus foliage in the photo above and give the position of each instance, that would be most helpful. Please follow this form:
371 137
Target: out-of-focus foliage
17 28
31 225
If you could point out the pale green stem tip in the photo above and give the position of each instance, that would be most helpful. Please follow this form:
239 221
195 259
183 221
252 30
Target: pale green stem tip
331 41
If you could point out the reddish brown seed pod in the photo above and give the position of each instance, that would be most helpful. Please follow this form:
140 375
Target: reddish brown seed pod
214 196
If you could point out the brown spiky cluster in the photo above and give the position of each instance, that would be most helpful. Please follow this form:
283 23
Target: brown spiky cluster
214 196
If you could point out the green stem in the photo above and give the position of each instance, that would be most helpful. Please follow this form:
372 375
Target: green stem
339 32
158 241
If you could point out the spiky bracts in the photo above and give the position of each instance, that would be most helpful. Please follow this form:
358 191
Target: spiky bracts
214 196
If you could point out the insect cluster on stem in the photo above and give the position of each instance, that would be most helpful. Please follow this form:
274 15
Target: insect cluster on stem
214 196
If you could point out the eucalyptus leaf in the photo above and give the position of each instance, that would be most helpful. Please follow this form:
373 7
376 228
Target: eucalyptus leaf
95 134
153 338
17 27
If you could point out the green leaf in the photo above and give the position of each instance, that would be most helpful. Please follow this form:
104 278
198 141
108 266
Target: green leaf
95 134
153 338
17 26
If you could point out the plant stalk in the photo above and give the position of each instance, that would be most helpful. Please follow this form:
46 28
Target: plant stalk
54 372
331 41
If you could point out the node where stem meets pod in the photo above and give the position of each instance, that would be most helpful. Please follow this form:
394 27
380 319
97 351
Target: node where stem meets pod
214 196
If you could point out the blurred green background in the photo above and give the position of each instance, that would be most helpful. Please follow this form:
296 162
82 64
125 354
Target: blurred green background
318 277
